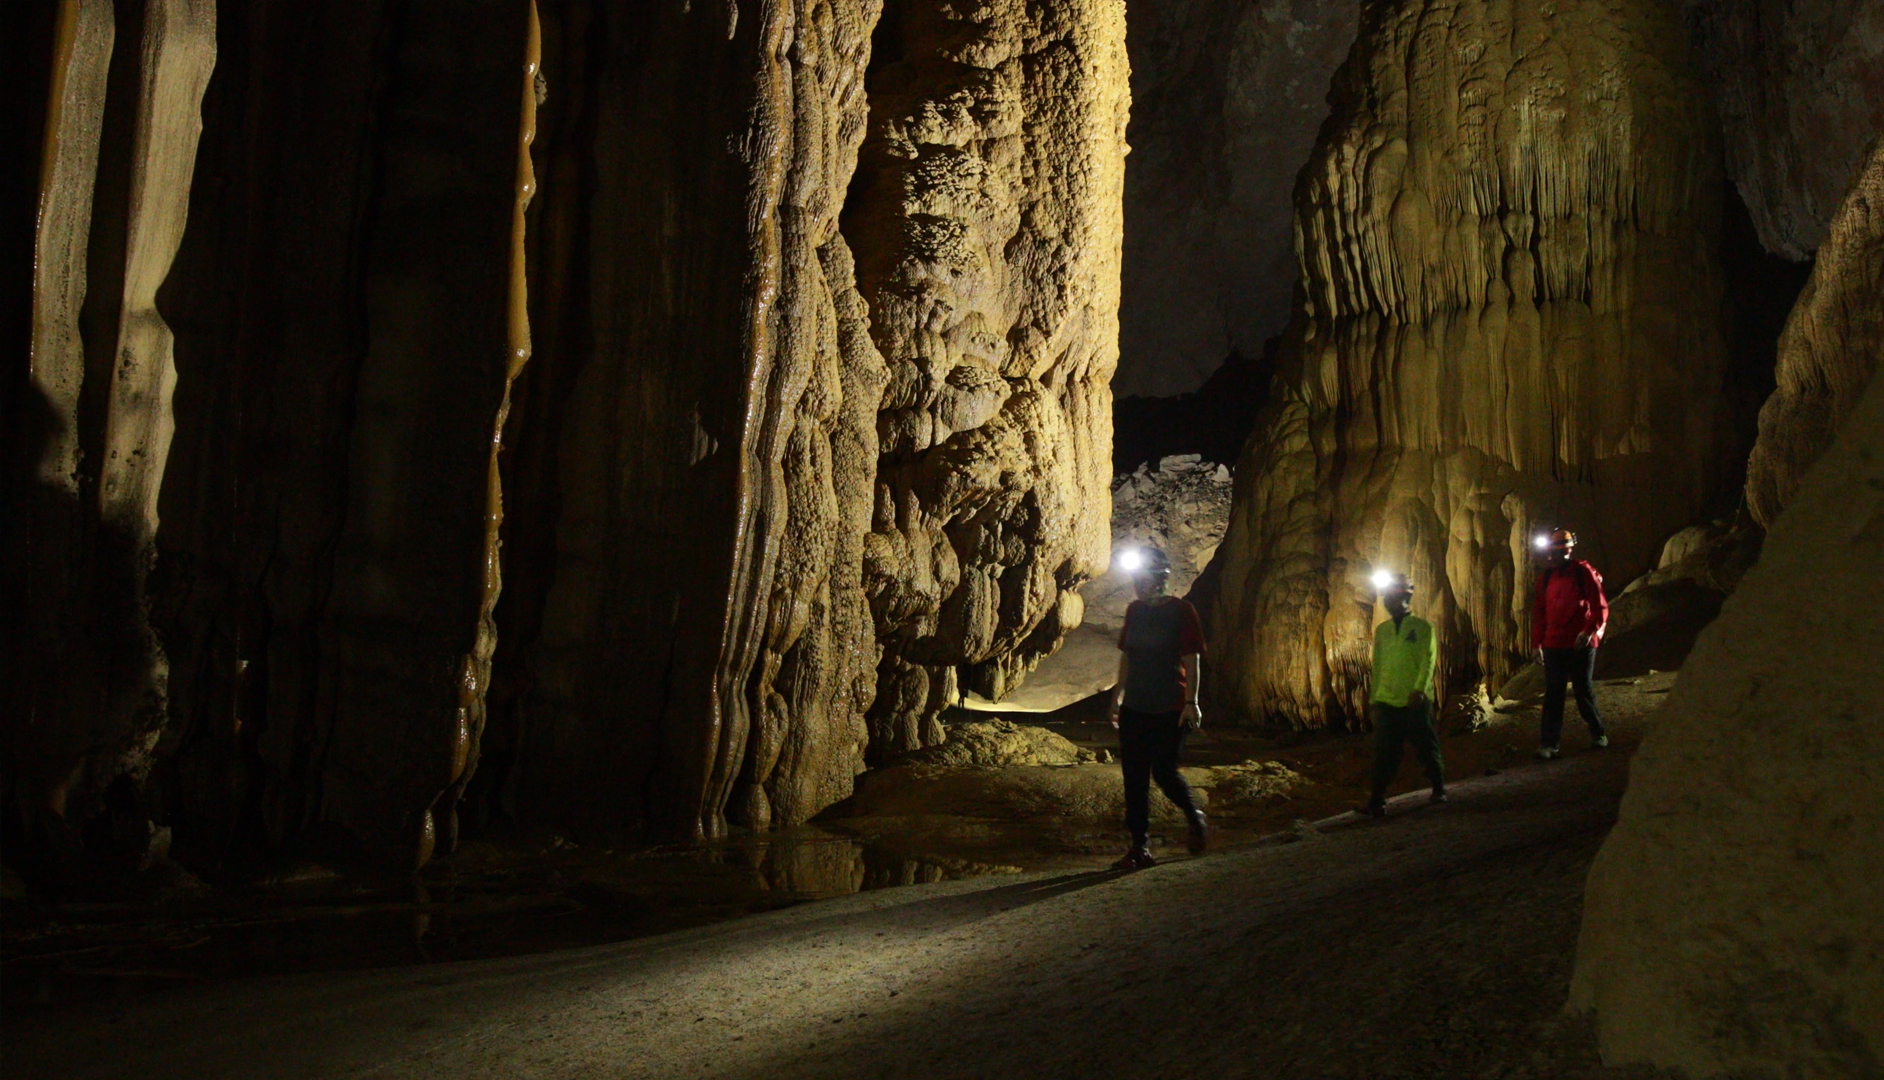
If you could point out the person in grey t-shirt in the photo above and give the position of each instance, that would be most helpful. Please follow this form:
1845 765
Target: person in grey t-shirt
1154 704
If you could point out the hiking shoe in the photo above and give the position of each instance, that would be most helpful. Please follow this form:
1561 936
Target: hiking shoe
1372 809
1200 834
1546 753
1599 742
1136 859
1439 795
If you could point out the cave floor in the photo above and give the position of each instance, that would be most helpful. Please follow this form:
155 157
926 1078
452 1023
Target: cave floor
1438 942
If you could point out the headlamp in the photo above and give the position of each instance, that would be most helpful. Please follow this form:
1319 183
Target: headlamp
1383 580
1131 560
1542 541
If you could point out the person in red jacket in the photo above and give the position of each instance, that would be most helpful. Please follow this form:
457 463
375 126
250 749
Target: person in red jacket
1567 623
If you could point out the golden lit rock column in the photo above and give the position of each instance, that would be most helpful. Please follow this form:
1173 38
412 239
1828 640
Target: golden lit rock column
987 220
1509 317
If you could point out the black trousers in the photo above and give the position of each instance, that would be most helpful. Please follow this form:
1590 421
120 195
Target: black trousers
1573 666
1148 750
1395 727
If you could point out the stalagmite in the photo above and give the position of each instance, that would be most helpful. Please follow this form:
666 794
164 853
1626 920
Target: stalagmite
987 221
1832 344
1510 318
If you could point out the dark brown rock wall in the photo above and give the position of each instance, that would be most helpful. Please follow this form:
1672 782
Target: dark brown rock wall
1730 925
986 216
1511 318
699 644
1830 348
342 294
1227 96
1799 88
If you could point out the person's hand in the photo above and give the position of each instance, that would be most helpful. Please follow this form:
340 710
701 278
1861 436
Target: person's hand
1537 654
1191 717
1112 713
1415 699
1583 640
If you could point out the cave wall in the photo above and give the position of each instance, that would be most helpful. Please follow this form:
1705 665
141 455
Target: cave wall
1828 351
608 505
1730 923
1510 319
1799 89
1227 96
987 216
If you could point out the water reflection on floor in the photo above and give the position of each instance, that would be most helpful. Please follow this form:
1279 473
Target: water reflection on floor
488 900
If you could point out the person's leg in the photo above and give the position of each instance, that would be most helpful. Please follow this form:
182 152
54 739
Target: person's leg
1167 738
1389 735
1555 675
1582 680
1419 732
1135 764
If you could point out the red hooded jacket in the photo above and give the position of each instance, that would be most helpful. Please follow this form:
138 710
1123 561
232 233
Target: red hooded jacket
1570 602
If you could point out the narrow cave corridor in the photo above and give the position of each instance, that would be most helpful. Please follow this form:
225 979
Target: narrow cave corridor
507 502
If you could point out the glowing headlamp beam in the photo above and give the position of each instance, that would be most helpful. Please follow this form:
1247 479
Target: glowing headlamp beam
1131 559
1542 541
1383 580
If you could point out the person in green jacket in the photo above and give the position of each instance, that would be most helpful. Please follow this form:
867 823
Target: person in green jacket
1403 690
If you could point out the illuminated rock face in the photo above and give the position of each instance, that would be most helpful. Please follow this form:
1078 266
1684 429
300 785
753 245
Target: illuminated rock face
737 491
986 215
1730 925
1829 350
1799 87
1510 319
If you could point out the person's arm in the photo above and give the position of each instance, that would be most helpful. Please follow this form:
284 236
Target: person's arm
1598 617
1192 664
1540 616
1118 688
1423 664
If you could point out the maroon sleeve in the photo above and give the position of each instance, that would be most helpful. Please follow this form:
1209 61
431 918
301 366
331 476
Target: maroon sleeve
1190 631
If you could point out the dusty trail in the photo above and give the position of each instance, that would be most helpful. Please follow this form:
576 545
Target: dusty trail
1436 943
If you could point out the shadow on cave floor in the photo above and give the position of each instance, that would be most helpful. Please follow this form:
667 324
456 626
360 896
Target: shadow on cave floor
906 827
1436 943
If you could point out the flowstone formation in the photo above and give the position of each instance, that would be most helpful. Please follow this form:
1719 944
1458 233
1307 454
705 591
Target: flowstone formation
986 217
606 506
1227 96
1510 318
1832 344
1730 925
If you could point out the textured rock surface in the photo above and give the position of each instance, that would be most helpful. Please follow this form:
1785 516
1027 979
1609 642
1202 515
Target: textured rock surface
1181 507
986 215
1227 97
722 478
1730 926
998 743
1832 344
1799 86
1510 318
87 673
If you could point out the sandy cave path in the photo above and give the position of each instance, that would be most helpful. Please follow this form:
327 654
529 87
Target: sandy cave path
1435 943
